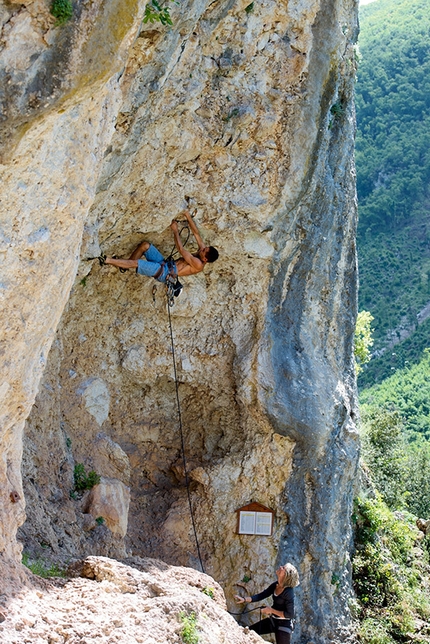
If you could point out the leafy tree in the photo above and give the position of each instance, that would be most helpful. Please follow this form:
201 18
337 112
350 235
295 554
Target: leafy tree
363 339
418 480
384 453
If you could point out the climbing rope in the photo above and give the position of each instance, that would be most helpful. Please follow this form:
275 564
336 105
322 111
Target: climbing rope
181 431
173 286
184 226
244 612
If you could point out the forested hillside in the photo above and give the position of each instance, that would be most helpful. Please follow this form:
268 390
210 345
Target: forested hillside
408 391
393 173
391 559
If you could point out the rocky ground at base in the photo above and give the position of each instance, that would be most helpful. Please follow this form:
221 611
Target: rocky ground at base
106 602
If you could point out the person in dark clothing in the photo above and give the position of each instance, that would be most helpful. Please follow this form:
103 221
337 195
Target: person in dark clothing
281 613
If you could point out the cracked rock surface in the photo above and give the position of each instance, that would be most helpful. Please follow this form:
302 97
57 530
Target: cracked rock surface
110 602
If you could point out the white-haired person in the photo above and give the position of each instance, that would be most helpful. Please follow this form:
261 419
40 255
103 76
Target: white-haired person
280 615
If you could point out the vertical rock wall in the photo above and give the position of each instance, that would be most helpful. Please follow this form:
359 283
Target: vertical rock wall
247 108
59 95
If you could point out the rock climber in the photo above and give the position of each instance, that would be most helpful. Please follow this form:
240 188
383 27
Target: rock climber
154 264
281 613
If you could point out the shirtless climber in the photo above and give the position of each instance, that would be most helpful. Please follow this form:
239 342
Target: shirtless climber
154 264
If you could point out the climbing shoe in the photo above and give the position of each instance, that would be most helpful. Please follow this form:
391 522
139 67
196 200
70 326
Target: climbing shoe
177 288
121 270
102 260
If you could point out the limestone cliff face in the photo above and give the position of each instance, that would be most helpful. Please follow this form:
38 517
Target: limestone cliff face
58 115
248 109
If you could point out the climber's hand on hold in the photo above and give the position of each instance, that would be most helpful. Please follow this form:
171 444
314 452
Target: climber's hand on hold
174 225
239 599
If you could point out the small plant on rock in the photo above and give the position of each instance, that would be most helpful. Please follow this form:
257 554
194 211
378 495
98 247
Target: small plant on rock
157 12
62 10
336 111
41 568
84 481
189 631
209 591
231 115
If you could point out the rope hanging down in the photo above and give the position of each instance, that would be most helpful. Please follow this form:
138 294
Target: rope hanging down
187 481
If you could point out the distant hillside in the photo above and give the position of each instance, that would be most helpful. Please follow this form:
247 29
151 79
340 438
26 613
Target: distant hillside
407 390
393 175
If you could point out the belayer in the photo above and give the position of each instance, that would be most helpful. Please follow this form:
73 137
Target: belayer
280 618
154 264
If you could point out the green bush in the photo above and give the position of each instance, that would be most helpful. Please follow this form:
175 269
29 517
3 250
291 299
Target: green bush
209 591
387 572
362 340
373 631
82 480
189 631
383 451
62 10
156 12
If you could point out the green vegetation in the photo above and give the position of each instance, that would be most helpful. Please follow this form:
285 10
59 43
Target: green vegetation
82 480
62 10
209 591
393 172
336 111
231 115
41 568
189 631
383 448
100 520
388 570
395 433
363 339
407 390
401 355
156 12
335 581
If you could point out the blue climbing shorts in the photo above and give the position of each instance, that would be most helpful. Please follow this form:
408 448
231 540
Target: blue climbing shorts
152 264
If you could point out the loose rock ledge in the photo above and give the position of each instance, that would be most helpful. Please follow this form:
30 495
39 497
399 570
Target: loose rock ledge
109 602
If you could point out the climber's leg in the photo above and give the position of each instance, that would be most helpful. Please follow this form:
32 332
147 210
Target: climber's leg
152 263
140 250
132 261
121 263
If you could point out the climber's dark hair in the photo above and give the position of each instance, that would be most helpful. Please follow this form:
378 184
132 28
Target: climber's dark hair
212 254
